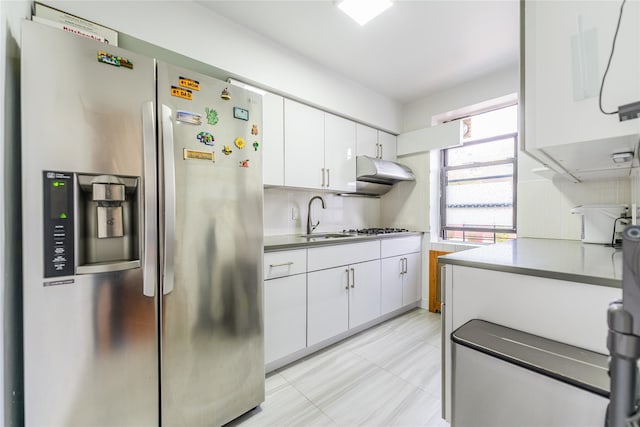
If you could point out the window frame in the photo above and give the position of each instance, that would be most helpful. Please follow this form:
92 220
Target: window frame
443 186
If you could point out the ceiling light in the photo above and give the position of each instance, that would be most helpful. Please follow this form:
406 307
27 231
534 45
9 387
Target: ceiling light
363 11
623 157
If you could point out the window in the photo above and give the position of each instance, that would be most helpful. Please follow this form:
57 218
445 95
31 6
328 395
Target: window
478 180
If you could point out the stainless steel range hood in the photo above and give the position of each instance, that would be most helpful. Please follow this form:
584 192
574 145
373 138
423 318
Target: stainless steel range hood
375 177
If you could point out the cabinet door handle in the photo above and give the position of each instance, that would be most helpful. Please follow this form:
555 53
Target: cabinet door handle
347 271
406 266
353 278
328 178
377 151
323 177
281 265
380 151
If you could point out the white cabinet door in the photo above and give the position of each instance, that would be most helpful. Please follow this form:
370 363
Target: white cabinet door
328 304
303 145
391 286
388 146
366 141
339 153
411 279
272 139
567 45
285 316
364 292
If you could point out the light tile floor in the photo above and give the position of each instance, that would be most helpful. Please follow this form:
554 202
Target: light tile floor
388 375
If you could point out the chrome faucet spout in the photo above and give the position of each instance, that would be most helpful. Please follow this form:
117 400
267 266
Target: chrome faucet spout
310 225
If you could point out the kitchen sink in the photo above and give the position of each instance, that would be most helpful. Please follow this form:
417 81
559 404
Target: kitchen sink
322 236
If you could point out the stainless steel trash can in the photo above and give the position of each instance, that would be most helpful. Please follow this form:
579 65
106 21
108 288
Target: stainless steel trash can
505 377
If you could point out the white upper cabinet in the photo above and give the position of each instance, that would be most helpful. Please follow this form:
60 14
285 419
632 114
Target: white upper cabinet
566 49
304 146
388 144
273 139
339 153
375 143
367 141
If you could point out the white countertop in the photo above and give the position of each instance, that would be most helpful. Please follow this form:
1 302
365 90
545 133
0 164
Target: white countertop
558 259
292 241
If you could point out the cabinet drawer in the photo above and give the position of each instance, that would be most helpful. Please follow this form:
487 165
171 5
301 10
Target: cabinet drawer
284 263
337 255
399 246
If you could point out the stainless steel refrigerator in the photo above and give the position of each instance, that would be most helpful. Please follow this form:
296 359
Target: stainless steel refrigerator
142 239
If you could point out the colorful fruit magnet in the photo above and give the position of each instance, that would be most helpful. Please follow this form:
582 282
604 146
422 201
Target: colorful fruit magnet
244 163
226 150
188 117
239 142
212 116
255 145
206 138
115 60
225 94
254 130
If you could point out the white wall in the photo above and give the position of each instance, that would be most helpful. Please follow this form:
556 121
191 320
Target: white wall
11 14
285 212
201 34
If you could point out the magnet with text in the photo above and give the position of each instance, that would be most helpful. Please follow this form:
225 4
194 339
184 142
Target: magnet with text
255 145
254 130
188 83
239 142
212 116
181 93
225 94
244 163
206 138
114 60
226 150
188 117
240 113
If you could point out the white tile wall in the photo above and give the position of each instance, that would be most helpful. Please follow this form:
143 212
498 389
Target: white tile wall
285 211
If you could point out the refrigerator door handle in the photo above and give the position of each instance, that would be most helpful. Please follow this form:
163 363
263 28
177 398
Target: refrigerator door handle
150 250
169 201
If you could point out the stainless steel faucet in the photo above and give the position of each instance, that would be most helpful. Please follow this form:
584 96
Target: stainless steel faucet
311 227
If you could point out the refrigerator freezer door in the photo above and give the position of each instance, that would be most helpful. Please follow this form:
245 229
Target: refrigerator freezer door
212 331
90 336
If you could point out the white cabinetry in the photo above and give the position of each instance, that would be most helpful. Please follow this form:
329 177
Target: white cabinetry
319 149
400 271
567 45
273 139
285 303
374 143
304 146
344 292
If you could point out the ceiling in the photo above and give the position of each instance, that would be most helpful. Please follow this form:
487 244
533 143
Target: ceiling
415 48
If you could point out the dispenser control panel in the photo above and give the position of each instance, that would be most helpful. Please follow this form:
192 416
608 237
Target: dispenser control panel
58 224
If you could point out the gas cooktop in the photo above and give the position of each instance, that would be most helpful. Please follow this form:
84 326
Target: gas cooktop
376 230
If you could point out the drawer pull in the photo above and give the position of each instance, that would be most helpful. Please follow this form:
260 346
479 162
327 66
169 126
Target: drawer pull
347 271
281 265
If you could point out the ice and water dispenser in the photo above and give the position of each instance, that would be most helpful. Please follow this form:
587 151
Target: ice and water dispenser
92 223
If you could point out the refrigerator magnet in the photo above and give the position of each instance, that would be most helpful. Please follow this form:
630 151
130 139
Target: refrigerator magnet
225 94
244 163
240 113
239 142
254 130
212 116
206 138
188 117
255 145
114 60
226 150
181 93
189 83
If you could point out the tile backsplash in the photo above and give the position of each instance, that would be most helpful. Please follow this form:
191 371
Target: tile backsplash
285 211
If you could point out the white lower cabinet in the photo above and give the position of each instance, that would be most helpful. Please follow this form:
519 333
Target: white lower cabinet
285 316
400 273
341 298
